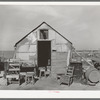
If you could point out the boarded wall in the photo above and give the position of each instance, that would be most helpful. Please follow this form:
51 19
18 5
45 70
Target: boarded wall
27 48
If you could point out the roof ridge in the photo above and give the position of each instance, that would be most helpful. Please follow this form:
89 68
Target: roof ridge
37 28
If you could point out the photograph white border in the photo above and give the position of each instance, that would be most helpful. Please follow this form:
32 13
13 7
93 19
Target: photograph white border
49 93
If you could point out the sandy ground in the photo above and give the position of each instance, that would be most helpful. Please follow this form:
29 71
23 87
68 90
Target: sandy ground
48 83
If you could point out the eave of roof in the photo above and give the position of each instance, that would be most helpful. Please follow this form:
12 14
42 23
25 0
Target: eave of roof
37 28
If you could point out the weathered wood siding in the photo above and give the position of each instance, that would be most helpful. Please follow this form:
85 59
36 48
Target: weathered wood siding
27 49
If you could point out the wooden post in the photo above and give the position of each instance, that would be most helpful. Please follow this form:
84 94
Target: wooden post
68 58
5 69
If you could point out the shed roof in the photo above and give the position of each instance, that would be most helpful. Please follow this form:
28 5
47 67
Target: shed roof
37 28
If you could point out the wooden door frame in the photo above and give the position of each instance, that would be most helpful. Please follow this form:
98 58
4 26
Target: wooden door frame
37 48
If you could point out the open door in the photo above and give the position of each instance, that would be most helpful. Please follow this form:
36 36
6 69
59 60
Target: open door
44 53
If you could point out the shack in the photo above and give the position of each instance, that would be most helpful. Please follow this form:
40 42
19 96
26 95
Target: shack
45 45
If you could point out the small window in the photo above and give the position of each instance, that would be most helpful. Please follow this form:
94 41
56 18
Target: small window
43 34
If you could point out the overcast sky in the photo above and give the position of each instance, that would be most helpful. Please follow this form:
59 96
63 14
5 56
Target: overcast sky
79 24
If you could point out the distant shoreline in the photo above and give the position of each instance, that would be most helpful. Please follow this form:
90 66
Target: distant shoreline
7 54
10 53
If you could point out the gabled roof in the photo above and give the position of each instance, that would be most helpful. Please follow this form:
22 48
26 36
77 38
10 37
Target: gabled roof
37 28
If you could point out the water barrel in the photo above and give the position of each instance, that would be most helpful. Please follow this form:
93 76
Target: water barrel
92 74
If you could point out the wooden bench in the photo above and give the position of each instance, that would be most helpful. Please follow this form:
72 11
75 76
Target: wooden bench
12 77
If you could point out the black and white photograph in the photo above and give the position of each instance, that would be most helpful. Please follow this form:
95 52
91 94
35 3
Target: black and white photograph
49 47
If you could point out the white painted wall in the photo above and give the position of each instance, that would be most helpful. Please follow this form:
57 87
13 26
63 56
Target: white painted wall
26 56
28 47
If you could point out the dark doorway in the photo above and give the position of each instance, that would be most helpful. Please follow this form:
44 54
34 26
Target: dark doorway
44 53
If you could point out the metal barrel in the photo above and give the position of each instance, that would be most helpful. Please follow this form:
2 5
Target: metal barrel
93 75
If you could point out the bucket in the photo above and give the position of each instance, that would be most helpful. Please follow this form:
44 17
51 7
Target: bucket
93 75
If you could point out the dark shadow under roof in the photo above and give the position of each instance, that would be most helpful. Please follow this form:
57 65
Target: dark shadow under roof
37 28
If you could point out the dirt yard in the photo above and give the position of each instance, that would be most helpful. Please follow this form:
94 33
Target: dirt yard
49 83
